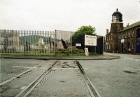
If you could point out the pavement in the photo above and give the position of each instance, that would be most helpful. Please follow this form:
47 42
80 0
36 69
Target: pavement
94 57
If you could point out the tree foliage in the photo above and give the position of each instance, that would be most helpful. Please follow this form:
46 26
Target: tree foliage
78 36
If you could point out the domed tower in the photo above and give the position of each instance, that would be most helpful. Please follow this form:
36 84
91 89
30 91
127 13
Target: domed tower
116 17
117 22
116 26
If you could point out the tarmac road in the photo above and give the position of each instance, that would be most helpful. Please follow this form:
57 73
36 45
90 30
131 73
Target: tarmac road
111 78
64 80
12 67
115 78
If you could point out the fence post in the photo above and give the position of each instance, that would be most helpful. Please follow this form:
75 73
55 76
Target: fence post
71 42
24 42
55 43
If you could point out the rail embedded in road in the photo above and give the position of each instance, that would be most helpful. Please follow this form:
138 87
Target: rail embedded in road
54 78
17 76
93 91
25 92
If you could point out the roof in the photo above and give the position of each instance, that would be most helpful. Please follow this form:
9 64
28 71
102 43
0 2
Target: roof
117 13
131 26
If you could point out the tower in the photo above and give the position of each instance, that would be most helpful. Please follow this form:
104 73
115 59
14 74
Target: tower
116 16
116 26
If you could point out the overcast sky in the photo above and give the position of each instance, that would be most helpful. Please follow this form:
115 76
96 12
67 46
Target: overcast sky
65 14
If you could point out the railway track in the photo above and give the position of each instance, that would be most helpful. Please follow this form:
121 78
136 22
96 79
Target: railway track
93 91
17 76
76 67
59 69
25 92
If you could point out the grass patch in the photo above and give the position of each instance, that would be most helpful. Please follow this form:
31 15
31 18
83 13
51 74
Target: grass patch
68 54
28 54
49 54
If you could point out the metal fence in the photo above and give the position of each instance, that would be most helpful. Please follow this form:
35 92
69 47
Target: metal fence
28 42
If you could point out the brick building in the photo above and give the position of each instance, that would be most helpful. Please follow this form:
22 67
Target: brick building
122 39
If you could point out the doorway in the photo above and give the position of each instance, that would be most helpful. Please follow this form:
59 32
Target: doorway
138 40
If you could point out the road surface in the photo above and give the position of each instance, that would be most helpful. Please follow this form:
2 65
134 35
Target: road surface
111 78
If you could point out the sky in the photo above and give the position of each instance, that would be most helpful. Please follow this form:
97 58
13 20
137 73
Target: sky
66 15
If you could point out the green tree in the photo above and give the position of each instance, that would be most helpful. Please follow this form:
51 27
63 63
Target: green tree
79 35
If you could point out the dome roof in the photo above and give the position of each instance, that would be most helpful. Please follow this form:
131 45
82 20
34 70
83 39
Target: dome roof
117 13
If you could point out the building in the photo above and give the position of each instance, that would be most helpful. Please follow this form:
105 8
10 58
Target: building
122 39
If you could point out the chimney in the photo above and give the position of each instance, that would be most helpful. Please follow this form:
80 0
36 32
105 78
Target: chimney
107 31
127 25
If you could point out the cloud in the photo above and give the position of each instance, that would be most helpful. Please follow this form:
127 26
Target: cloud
65 14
